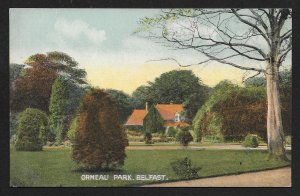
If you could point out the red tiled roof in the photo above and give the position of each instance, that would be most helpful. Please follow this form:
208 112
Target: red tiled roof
168 111
136 118
176 124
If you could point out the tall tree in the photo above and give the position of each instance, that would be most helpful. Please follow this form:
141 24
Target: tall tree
229 36
61 63
15 71
153 122
99 139
58 108
175 86
142 95
123 103
194 102
33 88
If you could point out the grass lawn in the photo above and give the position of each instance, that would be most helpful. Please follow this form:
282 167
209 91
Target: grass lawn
54 167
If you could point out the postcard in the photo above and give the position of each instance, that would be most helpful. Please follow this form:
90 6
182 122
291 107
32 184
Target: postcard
150 97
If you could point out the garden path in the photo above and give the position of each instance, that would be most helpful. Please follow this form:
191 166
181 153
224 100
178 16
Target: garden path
270 178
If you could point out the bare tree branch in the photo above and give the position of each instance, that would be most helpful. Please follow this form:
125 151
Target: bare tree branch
252 25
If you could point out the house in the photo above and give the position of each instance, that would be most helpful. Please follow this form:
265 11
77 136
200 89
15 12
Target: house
171 113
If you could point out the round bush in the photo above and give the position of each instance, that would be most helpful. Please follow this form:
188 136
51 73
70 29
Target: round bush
251 140
184 137
32 130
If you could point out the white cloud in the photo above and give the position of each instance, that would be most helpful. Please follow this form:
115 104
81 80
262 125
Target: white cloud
74 29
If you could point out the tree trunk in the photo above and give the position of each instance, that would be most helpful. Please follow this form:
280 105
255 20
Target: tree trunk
276 144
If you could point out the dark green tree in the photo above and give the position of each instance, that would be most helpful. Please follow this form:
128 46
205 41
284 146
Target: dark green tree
123 103
32 130
175 86
194 102
153 122
58 108
99 138
15 71
142 95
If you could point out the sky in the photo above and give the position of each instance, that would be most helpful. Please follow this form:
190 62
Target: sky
103 43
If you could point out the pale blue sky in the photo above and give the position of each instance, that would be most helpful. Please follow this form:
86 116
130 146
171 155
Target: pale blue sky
101 40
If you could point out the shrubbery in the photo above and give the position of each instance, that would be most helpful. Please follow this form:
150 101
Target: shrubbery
171 132
32 130
251 140
148 138
232 111
99 139
183 169
72 131
184 137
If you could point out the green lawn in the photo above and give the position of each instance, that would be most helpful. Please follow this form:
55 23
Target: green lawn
54 167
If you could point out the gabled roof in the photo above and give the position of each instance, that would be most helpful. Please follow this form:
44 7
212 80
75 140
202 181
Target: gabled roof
136 118
168 111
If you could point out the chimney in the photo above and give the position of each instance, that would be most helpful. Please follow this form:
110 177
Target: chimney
146 106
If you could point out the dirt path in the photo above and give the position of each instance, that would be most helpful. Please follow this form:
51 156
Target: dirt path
217 146
271 178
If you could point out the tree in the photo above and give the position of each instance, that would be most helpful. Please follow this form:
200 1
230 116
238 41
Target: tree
229 36
184 137
123 103
142 95
15 71
33 88
58 108
175 86
61 63
99 138
194 102
32 130
153 122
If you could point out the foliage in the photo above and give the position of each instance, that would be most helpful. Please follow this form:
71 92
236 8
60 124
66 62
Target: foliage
33 89
285 89
32 130
194 102
153 122
232 111
171 131
58 107
13 119
184 137
15 71
142 95
123 103
148 138
175 86
183 169
99 139
60 63
251 140
72 130
137 128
